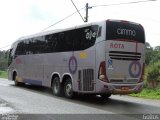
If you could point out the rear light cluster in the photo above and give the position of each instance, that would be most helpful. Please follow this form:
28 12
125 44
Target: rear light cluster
102 72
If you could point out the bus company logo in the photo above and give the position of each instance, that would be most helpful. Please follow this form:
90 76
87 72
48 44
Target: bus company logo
72 65
135 69
90 34
126 32
117 45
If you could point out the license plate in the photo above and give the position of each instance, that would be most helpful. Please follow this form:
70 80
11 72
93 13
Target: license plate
124 88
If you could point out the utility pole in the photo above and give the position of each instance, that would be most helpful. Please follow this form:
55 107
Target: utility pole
87 7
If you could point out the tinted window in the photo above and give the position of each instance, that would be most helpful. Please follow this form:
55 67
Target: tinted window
52 42
124 30
85 37
67 40
37 45
77 39
59 42
20 50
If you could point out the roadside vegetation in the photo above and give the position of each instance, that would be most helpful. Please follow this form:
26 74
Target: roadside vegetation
3 60
149 93
3 64
3 74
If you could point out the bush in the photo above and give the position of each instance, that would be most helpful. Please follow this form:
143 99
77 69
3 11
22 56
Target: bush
145 77
149 93
3 74
154 72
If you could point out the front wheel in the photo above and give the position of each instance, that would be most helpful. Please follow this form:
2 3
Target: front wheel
68 90
16 81
56 86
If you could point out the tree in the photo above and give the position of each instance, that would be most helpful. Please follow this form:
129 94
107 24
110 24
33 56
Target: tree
149 53
148 46
153 75
157 48
3 60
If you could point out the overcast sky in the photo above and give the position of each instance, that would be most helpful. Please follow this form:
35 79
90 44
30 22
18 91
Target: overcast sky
23 17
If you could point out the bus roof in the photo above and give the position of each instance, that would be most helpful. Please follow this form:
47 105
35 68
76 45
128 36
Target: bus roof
55 31
69 28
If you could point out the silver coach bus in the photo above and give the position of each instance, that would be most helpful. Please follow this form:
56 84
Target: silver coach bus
101 58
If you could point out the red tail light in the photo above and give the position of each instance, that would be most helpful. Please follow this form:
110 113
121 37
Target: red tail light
102 72
143 70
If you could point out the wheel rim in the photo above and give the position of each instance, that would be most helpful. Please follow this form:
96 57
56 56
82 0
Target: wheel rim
69 89
56 87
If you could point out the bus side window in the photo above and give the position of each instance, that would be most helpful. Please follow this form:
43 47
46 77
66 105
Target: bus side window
60 42
20 49
68 41
85 37
37 45
51 42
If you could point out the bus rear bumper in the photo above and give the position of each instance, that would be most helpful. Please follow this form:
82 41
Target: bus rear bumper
121 89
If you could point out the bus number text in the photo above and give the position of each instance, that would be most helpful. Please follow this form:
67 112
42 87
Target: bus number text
116 45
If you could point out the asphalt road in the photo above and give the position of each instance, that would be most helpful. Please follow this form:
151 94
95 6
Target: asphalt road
33 102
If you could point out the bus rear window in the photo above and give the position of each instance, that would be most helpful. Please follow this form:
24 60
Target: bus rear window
124 30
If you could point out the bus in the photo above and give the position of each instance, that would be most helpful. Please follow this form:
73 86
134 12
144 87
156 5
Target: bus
101 58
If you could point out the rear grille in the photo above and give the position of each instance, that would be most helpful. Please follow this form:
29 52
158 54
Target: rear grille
80 80
88 84
86 79
121 55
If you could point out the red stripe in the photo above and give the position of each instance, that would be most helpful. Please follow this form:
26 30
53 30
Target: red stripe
72 57
135 68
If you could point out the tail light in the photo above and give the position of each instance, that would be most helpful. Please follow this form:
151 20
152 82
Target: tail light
102 72
143 70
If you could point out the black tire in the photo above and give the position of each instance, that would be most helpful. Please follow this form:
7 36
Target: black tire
105 96
68 90
56 86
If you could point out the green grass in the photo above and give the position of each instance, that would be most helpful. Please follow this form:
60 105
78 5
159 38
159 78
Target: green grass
3 74
149 93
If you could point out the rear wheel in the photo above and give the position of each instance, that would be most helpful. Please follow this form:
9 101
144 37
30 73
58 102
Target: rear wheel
56 86
68 90
104 96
